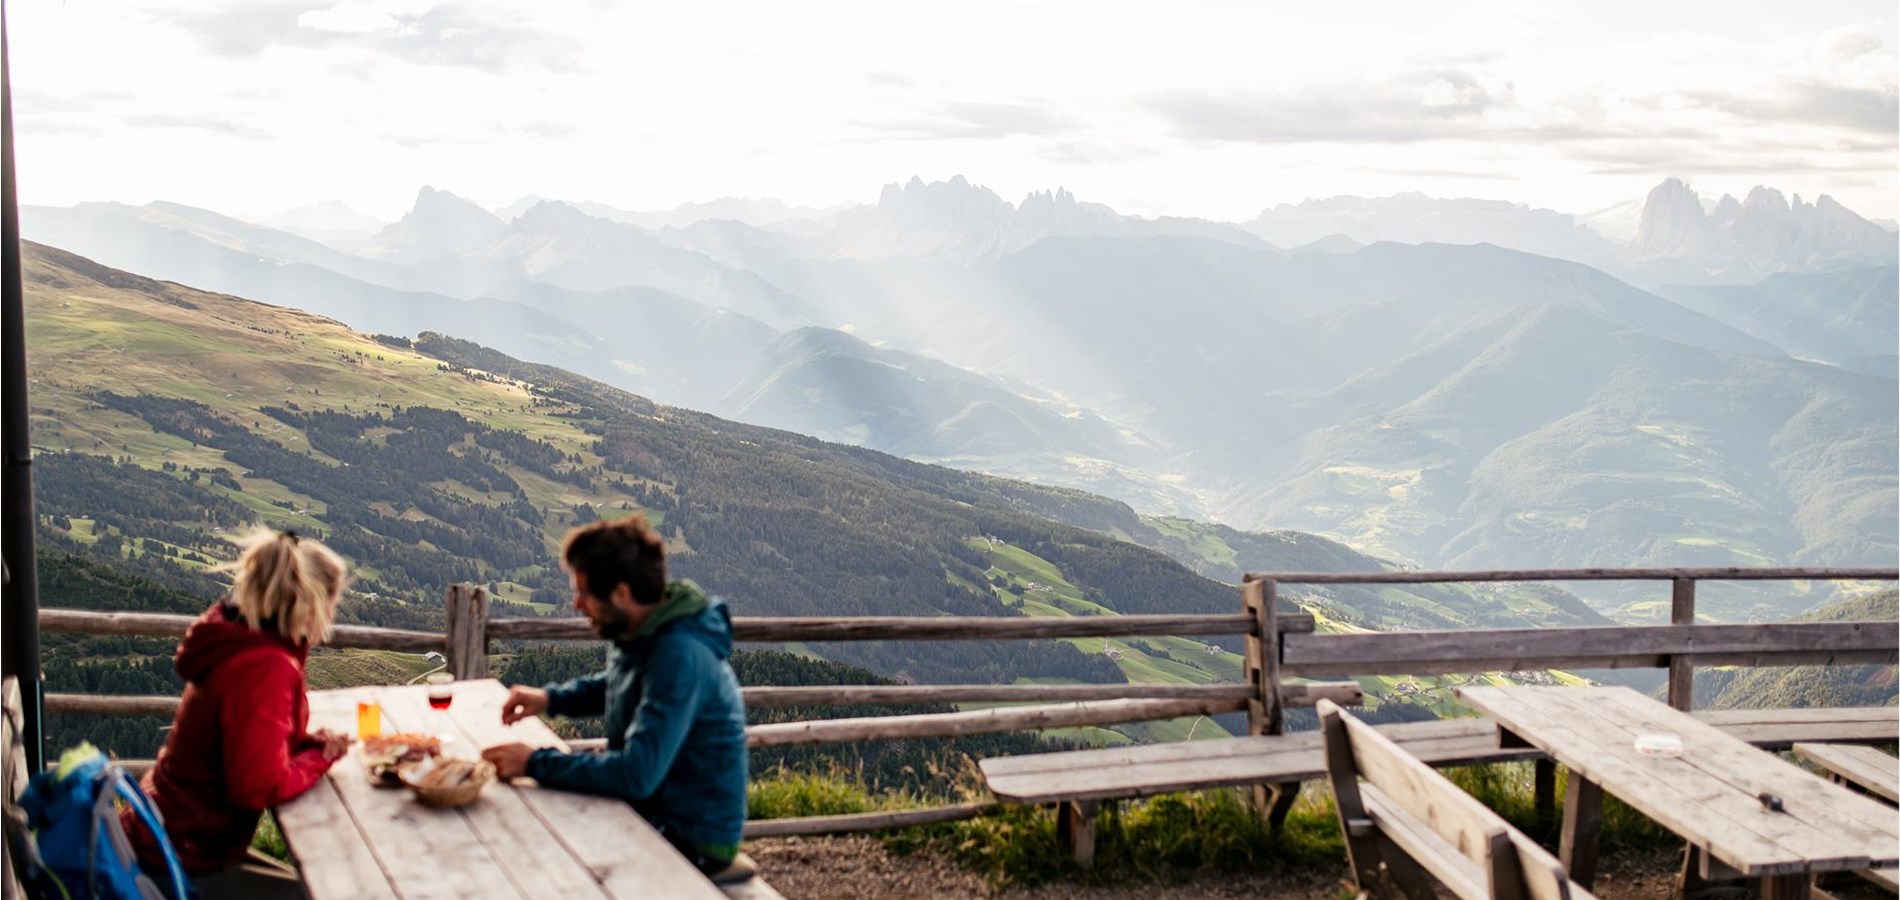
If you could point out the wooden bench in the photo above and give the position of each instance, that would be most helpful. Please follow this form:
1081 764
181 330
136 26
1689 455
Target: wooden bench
1402 819
1867 768
1075 781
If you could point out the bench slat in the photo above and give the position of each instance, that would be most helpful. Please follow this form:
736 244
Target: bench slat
1459 823
1462 876
1865 767
1147 769
1277 765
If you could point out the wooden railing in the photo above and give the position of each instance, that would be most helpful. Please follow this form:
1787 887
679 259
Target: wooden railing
1279 647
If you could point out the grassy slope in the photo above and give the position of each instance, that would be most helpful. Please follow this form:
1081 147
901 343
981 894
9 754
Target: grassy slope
104 333
1038 588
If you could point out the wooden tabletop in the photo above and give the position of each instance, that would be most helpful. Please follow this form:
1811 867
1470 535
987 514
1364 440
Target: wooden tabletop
1710 794
355 841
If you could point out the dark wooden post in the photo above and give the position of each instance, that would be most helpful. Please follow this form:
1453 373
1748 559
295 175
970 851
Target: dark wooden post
1583 819
468 631
1265 712
1544 791
1682 668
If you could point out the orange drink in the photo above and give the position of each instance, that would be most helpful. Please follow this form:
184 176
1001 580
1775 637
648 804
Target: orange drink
369 720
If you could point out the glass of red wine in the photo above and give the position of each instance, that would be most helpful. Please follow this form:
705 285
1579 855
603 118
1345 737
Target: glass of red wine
441 690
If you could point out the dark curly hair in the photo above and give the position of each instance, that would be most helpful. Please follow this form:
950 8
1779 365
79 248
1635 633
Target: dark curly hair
611 552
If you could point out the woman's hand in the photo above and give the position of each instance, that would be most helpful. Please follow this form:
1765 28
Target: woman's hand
523 702
334 744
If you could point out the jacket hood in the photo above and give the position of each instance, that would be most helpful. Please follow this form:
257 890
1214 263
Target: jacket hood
689 611
220 634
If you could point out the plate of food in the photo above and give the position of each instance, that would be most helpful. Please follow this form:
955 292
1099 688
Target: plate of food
384 756
447 782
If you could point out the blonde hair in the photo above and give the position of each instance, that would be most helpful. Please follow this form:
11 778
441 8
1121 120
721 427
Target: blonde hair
289 582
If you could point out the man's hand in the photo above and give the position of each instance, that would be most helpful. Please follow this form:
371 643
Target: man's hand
523 702
509 760
334 744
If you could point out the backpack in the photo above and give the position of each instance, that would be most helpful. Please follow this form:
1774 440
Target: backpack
84 853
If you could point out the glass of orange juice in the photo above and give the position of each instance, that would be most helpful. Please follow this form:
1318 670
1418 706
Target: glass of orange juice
369 720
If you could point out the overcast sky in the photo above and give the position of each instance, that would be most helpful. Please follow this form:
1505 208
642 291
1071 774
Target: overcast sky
1184 108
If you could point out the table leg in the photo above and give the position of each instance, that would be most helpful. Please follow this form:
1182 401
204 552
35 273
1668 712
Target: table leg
1787 887
1583 819
1544 791
1693 884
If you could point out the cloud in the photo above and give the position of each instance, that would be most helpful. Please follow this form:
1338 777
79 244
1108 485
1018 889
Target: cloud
1669 157
1092 152
465 34
1875 110
1421 105
977 119
218 124
348 18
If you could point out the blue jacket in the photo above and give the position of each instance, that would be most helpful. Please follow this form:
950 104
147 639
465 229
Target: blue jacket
675 728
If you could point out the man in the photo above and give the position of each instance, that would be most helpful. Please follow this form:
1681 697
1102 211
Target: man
675 721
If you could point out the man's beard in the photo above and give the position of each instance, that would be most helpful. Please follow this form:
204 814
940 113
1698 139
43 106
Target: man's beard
612 624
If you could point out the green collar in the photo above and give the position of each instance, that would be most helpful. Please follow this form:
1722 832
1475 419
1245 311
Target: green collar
683 600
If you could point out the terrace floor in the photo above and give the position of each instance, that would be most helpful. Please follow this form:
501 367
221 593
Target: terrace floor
854 867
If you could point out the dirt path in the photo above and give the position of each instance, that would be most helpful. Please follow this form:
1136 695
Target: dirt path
847 868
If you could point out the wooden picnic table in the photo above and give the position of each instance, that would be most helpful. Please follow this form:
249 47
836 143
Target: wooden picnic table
1718 794
355 841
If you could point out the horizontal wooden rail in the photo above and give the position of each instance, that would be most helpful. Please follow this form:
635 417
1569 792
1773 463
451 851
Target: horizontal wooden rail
110 705
981 721
1643 646
1309 694
924 628
958 724
907 694
871 821
1345 693
361 637
1722 574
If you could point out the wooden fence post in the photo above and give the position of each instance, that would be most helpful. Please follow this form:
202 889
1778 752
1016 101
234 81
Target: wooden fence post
1681 668
1265 713
468 631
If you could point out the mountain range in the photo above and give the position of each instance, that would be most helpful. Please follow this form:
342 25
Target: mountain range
1408 378
165 417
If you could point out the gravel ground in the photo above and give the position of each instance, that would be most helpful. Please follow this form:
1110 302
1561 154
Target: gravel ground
847 868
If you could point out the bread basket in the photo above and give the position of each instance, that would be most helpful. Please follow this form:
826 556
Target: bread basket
448 783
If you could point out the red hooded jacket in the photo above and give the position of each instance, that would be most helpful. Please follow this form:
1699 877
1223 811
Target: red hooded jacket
238 745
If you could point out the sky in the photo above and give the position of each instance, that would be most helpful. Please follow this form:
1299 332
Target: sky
1221 110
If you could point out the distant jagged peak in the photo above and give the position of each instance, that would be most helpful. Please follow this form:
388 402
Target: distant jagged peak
552 213
1673 195
1762 197
440 223
432 201
956 194
1337 243
1764 232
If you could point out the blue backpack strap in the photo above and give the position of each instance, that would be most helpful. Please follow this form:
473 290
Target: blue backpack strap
135 797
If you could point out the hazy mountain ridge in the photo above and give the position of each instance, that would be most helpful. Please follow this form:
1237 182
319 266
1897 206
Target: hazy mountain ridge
1413 218
1848 318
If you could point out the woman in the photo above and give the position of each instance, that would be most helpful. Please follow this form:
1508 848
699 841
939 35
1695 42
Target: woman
239 743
